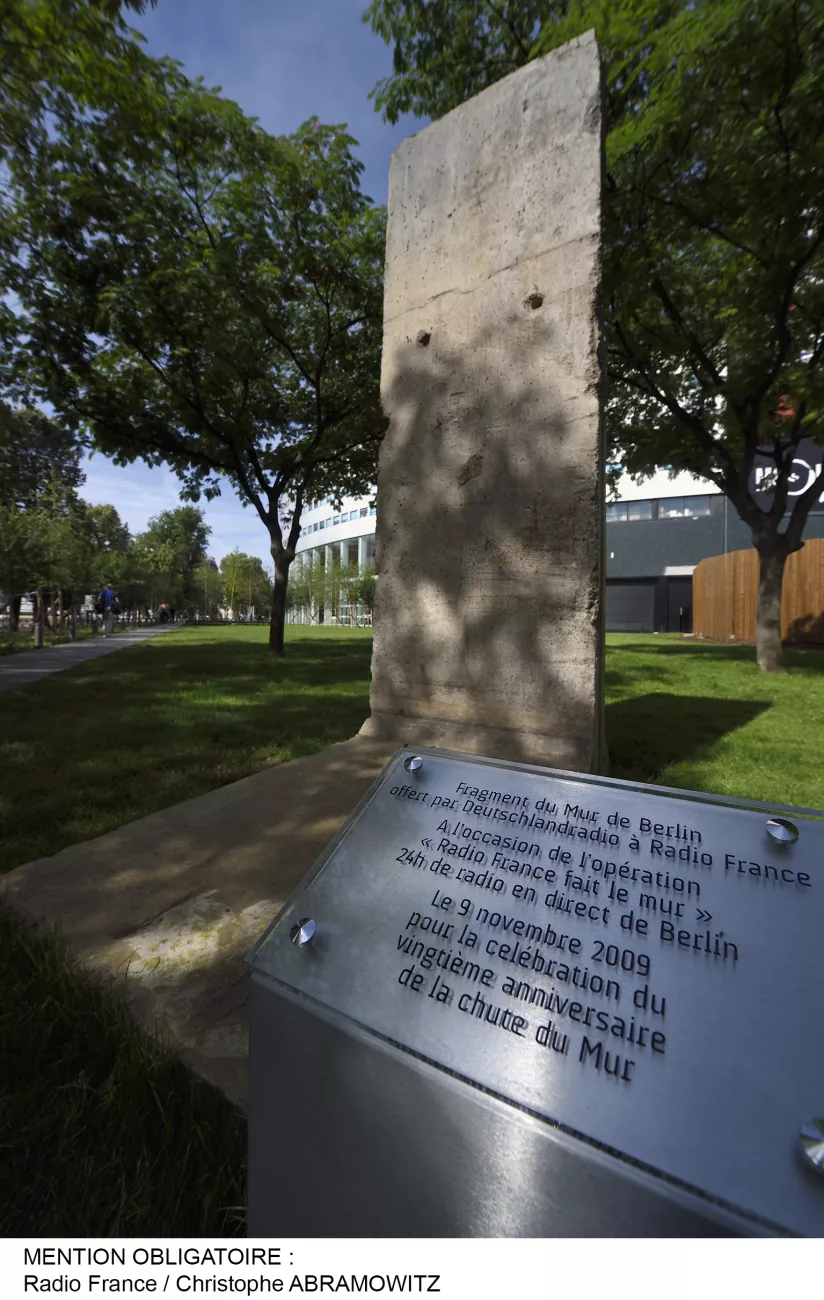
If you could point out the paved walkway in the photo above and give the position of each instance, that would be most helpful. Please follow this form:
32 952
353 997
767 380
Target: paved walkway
31 665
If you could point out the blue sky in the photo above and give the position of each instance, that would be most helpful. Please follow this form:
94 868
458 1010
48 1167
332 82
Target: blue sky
283 62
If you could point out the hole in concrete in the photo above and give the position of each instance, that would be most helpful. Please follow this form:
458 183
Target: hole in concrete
534 299
422 338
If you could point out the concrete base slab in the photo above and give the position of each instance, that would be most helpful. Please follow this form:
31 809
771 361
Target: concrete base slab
177 899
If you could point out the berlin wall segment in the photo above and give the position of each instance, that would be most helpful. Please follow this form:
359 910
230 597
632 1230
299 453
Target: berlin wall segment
488 622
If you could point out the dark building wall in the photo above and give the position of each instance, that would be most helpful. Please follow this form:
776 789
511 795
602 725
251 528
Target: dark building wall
640 597
644 548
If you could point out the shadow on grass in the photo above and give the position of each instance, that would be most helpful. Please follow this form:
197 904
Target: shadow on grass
647 733
806 657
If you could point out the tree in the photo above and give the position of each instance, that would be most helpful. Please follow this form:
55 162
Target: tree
446 51
245 582
20 557
714 228
308 589
364 589
209 583
39 477
170 554
196 291
56 57
36 452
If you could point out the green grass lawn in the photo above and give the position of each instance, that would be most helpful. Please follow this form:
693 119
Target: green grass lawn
114 739
100 1131
703 717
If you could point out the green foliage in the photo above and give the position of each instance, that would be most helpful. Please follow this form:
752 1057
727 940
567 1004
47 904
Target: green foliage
36 452
21 551
196 291
307 590
445 51
714 268
713 258
41 541
59 59
245 583
210 592
169 555
363 590
317 587
56 57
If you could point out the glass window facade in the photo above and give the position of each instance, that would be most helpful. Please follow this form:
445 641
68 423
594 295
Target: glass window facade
665 508
639 510
683 507
697 505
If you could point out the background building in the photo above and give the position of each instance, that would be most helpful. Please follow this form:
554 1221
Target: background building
656 533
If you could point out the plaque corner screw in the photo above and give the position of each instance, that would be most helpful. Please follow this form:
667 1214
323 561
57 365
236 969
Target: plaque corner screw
811 1137
782 831
413 763
303 932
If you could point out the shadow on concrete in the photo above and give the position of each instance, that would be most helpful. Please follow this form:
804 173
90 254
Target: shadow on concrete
648 732
487 603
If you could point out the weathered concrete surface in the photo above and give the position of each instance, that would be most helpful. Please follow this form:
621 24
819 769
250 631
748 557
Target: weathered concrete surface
178 898
488 626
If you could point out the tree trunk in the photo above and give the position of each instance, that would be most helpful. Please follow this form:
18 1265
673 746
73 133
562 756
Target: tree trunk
73 621
38 619
768 617
14 613
277 623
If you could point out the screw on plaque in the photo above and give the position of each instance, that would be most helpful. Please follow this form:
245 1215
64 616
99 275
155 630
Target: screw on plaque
811 1136
413 763
782 831
303 932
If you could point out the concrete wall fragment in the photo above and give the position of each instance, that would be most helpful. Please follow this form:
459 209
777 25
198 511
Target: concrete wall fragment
488 623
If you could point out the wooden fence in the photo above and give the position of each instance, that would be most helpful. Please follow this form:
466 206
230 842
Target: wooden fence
725 594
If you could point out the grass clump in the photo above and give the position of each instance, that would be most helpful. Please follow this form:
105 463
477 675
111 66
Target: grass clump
102 1132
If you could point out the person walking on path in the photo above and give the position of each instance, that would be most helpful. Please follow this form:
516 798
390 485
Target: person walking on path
106 602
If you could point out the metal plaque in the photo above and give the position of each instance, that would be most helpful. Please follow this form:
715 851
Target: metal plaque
640 966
